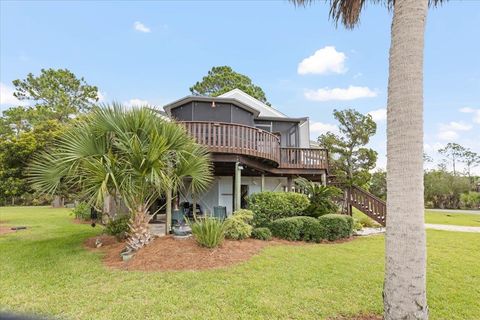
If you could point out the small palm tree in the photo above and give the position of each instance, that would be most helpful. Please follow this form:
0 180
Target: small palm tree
322 198
131 154
405 257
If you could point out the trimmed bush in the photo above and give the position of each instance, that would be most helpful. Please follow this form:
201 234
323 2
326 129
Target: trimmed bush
291 228
337 226
82 211
314 231
118 227
208 232
262 234
244 215
269 206
237 226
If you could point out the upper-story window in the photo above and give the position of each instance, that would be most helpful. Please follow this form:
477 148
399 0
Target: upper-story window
264 126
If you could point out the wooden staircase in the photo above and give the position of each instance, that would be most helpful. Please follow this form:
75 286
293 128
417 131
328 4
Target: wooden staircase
367 203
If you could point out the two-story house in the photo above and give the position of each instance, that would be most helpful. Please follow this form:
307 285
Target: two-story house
253 147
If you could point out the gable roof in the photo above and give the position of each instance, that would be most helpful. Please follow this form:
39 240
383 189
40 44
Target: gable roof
265 111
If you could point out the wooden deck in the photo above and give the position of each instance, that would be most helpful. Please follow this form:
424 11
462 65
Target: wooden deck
239 139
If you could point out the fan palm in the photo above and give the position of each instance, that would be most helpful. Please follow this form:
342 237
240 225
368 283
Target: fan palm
131 154
322 198
405 257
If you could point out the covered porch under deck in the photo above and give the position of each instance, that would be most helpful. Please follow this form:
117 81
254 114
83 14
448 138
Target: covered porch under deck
236 177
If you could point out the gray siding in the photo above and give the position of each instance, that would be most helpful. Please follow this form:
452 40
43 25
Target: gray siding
203 111
183 113
288 131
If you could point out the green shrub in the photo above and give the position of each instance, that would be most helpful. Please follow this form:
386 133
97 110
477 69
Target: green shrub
208 232
244 215
262 234
269 206
291 228
237 226
470 200
366 222
118 227
314 231
357 225
81 211
337 226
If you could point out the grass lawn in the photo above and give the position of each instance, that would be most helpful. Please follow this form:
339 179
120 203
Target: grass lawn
438 217
45 270
459 219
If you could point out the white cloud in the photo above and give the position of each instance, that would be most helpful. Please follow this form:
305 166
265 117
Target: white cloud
448 135
323 61
456 126
7 97
350 93
318 128
476 113
141 27
467 110
379 114
136 102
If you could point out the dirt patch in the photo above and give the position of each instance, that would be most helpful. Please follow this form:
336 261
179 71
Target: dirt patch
5 229
359 317
166 253
107 241
80 221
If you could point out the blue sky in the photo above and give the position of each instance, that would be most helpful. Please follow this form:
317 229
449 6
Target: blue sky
154 51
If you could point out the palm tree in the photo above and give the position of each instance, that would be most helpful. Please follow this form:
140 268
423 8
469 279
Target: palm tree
405 245
131 154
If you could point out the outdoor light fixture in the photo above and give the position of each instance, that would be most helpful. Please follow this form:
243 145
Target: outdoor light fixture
213 103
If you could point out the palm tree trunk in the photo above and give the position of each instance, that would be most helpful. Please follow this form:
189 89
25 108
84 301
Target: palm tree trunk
405 256
140 234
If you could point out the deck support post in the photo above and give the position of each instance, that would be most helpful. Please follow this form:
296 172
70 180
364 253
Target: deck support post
238 183
323 177
289 184
168 209
262 184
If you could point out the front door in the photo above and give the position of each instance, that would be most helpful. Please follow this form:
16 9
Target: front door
243 196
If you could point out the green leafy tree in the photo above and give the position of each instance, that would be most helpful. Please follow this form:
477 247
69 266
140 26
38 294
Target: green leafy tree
378 184
471 160
57 94
453 152
133 154
16 150
444 189
222 79
56 97
350 159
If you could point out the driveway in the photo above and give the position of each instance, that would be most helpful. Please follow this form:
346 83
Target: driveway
447 227
455 211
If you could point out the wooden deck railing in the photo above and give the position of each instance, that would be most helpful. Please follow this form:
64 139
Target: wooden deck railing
235 138
303 158
367 203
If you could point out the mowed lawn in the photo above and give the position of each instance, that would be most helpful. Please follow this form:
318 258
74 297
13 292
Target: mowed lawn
459 219
45 270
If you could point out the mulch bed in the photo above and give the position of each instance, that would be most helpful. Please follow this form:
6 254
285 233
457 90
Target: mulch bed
167 254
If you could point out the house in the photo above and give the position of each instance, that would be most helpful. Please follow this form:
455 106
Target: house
253 147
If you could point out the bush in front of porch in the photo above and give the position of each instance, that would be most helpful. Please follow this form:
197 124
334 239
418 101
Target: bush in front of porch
329 227
269 206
